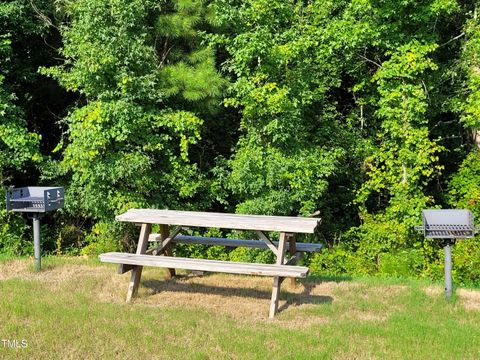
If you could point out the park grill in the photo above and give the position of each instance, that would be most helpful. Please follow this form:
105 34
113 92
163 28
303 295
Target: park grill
448 225
35 200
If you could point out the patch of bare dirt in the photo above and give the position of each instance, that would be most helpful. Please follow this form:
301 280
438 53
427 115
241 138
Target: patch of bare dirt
54 276
13 269
245 298
433 290
470 299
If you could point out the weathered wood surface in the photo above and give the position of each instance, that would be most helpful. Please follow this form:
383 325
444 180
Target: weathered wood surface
289 224
137 270
166 237
267 242
124 268
292 250
187 239
205 265
277 280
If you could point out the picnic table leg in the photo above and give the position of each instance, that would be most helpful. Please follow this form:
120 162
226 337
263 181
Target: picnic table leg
292 249
137 270
277 280
168 248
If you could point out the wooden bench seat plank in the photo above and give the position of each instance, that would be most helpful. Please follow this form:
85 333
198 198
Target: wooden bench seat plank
288 224
205 265
188 239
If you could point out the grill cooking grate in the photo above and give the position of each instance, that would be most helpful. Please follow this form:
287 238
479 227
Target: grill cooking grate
449 230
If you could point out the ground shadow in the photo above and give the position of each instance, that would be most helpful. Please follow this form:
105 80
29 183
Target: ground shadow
323 278
305 297
176 285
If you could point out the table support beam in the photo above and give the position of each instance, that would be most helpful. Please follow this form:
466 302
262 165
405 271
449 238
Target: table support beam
267 241
292 249
167 245
123 268
137 270
165 239
277 280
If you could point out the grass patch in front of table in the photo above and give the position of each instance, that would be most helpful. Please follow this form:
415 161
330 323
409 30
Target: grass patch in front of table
75 308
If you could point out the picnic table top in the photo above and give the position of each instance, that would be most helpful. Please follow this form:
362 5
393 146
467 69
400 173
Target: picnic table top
290 224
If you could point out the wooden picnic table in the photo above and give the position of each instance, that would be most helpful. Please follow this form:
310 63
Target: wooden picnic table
286 226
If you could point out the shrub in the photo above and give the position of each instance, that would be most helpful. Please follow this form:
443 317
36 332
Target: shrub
104 237
242 254
466 262
13 232
404 263
336 261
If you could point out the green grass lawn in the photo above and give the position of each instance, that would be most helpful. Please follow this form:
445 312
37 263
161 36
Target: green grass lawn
75 308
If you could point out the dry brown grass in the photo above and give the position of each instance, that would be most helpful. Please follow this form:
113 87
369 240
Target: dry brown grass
470 299
433 290
245 298
345 319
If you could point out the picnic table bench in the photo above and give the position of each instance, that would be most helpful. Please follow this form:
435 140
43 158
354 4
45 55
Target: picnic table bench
286 226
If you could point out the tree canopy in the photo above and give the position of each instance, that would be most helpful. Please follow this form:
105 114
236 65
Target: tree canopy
366 111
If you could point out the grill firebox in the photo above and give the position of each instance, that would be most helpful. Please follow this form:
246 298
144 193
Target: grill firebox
447 224
34 199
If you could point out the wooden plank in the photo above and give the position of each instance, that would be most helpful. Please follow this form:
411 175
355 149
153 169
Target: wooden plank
137 270
292 249
167 246
165 238
277 280
188 239
289 224
294 259
205 265
281 249
267 242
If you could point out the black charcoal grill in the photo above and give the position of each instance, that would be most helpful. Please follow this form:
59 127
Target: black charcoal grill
448 225
35 200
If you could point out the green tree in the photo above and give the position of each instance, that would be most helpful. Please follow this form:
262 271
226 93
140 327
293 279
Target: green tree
336 107
19 145
146 80
297 153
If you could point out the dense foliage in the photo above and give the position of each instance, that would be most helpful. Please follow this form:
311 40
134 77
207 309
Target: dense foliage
365 111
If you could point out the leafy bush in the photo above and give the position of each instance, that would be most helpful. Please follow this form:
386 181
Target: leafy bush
13 234
466 262
336 261
69 239
243 254
405 263
104 237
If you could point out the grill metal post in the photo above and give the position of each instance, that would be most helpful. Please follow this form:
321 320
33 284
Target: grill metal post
36 242
448 268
